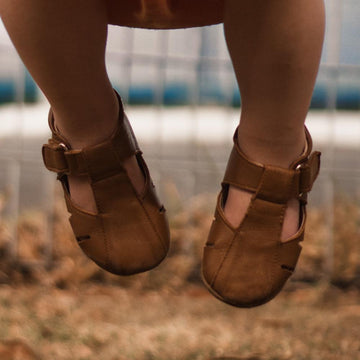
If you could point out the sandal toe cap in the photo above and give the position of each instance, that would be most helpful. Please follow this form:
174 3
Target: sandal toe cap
248 274
122 248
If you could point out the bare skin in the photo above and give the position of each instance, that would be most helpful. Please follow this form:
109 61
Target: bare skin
275 47
62 43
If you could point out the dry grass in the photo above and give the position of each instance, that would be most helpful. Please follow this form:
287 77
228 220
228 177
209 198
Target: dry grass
74 310
339 264
107 322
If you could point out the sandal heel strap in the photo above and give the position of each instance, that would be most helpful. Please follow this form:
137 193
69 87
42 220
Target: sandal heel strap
97 161
273 183
309 172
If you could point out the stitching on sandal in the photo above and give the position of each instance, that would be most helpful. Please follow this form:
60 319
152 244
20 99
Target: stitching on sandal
149 219
224 258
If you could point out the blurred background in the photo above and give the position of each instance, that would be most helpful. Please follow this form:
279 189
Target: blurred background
181 97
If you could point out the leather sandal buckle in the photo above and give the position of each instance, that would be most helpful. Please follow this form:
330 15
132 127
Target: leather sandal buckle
300 167
63 147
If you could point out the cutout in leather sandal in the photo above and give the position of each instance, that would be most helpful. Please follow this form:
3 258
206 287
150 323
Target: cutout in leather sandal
129 234
248 265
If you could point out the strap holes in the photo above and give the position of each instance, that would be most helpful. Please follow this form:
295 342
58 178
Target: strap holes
288 268
82 238
162 209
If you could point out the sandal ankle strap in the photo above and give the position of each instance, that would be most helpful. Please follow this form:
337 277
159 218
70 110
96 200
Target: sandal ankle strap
273 183
97 161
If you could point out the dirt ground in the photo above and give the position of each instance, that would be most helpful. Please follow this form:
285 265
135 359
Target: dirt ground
108 322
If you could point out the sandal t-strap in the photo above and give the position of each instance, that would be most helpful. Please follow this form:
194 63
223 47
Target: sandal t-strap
129 233
248 265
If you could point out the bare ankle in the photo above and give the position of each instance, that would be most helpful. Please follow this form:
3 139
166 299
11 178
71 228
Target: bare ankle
279 151
83 128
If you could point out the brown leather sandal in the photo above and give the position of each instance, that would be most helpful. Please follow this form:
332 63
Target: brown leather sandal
130 232
248 265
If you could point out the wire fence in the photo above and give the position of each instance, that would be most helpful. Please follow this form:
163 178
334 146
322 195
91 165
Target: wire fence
175 68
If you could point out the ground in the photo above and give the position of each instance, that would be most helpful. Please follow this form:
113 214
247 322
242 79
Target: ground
58 305
108 322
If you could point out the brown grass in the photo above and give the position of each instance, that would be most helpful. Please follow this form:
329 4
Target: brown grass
74 310
107 322
338 263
